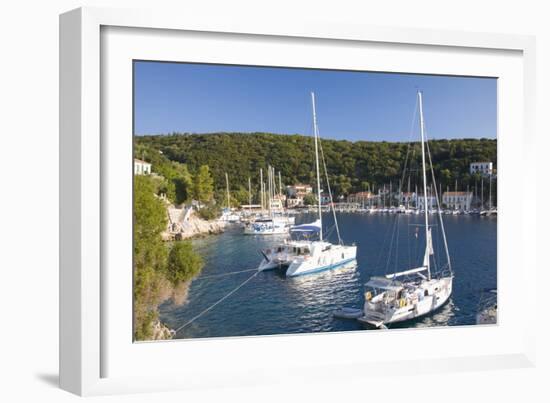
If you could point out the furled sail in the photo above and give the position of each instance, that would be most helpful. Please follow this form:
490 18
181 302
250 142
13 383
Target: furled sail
429 249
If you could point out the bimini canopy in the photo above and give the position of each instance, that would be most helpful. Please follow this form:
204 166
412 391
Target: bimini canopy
309 227
384 284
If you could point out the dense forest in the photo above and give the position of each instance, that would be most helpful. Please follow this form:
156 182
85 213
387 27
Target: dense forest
352 166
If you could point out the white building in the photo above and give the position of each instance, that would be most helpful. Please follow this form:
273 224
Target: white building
458 200
432 202
141 167
484 168
296 194
298 190
294 201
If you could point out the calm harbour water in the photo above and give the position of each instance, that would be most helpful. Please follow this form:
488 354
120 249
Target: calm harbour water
273 304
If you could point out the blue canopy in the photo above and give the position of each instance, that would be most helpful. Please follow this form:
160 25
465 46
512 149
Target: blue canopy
308 227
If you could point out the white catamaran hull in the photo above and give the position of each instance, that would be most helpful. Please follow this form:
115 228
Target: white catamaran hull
335 257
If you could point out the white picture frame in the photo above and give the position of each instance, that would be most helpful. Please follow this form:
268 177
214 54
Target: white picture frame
93 342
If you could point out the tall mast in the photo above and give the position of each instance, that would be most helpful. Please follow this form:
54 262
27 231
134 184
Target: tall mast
424 177
482 201
269 190
227 188
262 189
490 195
249 195
315 135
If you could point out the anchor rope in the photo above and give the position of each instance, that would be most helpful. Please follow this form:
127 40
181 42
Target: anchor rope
223 274
217 302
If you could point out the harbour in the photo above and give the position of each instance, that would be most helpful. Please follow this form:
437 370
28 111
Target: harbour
273 304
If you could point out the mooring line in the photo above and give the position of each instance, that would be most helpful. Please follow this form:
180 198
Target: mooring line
217 302
223 274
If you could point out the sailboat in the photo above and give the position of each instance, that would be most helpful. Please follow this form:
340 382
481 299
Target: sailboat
414 292
227 214
299 257
274 223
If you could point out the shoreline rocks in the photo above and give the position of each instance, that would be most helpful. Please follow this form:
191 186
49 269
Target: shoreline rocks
186 224
161 331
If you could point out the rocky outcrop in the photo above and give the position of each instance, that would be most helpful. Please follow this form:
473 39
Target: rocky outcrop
161 331
186 224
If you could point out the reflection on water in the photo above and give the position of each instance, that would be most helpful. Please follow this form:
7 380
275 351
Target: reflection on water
273 304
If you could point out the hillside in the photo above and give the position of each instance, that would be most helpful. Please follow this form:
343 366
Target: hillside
352 166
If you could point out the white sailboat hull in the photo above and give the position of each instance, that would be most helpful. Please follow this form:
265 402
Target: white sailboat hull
378 314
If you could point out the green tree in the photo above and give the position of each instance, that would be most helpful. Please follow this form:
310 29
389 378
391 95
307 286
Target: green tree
183 262
203 187
310 199
149 254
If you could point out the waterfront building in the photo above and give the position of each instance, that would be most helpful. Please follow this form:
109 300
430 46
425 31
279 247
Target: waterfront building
294 201
325 199
458 200
299 190
431 200
360 197
484 168
141 167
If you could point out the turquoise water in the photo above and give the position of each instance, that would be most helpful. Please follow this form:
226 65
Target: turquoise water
272 304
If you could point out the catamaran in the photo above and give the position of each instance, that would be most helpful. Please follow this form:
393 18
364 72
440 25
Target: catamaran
299 257
413 292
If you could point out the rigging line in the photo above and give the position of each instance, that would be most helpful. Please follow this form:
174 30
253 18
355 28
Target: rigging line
408 145
397 243
438 206
383 246
223 274
217 302
391 245
328 187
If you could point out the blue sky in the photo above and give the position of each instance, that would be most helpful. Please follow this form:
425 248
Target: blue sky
181 97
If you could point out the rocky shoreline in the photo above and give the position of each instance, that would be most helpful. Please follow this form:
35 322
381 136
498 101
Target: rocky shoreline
186 224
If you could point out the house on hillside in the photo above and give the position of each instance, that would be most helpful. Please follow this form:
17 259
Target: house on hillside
484 168
141 167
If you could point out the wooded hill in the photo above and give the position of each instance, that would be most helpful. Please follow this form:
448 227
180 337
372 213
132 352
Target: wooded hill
352 166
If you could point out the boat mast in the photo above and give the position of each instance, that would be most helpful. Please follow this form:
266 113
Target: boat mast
227 186
424 178
315 135
482 201
262 189
490 195
249 195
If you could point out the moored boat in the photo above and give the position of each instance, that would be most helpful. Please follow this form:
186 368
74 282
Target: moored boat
414 292
306 256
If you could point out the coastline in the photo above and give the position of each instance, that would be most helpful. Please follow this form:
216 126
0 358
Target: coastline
185 224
